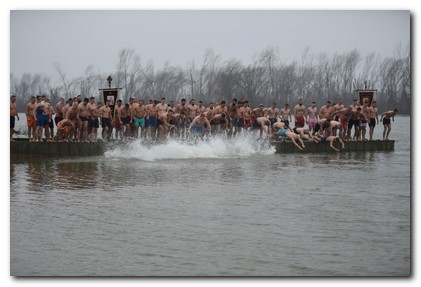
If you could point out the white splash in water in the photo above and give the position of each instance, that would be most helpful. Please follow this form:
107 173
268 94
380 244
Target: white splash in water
238 147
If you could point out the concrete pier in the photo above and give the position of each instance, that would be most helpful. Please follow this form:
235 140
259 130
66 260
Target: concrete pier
286 146
23 149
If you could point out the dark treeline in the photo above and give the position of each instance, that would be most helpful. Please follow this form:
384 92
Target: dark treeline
267 79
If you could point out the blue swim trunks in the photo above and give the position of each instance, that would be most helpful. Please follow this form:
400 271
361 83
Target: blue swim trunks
139 122
152 122
198 129
282 132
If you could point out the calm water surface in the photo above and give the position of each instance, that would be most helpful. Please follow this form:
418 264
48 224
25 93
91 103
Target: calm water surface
219 209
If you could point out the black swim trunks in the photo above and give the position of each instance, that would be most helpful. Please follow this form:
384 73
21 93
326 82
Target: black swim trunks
256 124
125 120
106 122
372 122
12 122
386 121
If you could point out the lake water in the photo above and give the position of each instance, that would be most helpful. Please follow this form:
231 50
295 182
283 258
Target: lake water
223 208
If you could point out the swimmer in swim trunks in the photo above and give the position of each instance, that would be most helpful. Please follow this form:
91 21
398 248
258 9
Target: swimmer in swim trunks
299 111
343 115
312 116
303 133
374 118
261 123
31 120
13 115
326 136
139 113
64 130
386 116
198 124
293 137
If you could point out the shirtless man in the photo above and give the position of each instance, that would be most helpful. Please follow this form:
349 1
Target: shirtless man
374 118
278 126
386 116
365 110
326 111
68 104
199 125
209 110
354 105
272 113
133 104
84 115
118 123
13 115
192 109
201 108
299 111
335 126
172 107
303 133
247 115
93 123
286 132
239 118
182 123
257 113
64 130
126 119
338 106
219 122
47 113
59 111
312 116
181 107
221 117
152 112
232 111
31 121
139 115
343 115
163 123
351 121
321 125
105 114
285 115
162 106
326 137
262 122
72 112
357 117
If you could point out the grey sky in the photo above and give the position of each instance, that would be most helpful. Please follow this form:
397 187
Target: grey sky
78 39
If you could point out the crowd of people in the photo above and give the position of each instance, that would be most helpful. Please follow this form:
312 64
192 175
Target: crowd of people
78 120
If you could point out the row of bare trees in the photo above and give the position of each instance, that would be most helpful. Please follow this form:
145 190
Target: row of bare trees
265 80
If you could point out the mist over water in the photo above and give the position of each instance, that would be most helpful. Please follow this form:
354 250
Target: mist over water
213 148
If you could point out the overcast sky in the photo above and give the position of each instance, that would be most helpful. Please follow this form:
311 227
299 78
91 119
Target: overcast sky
78 39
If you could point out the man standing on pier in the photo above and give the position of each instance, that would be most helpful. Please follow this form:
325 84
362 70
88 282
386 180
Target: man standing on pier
30 118
299 112
374 118
285 115
386 116
13 115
